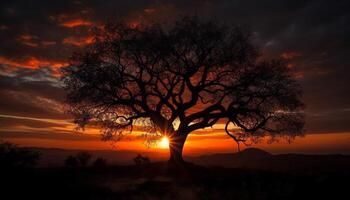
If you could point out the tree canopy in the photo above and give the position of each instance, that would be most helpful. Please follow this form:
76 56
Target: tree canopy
181 78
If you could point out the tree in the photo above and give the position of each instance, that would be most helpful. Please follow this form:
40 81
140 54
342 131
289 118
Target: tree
100 162
141 160
179 79
84 158
71 161
12 156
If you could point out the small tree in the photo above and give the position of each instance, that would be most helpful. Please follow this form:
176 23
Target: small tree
84 158
13 156
71 161
181 79
100 162
141 160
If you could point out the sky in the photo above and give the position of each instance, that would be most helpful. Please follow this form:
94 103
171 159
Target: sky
38 37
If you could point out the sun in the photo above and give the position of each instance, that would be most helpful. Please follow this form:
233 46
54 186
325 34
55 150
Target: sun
163 143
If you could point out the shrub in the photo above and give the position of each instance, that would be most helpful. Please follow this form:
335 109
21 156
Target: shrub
13 156
141 160
80 160
71 161
100 162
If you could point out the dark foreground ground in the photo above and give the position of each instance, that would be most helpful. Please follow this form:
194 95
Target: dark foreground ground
157 181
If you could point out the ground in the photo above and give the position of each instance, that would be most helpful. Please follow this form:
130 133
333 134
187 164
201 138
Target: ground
157 181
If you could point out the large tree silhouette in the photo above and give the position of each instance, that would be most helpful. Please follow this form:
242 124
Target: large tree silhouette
179 79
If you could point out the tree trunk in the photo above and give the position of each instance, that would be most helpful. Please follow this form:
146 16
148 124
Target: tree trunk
176 145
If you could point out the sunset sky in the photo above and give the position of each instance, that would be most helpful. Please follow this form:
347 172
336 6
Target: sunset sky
38 37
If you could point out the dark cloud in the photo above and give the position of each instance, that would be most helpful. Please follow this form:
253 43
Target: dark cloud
31 93
10 123
49 135
313 34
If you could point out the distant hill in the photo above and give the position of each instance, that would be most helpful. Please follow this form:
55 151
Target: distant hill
232 159
52 157
259 159
252 158
254 153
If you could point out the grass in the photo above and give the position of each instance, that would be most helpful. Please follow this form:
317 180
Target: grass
157 181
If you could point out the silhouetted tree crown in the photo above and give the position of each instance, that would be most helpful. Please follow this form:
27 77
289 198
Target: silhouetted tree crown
82 159
71 161
141 160
12 156
100 162
181 79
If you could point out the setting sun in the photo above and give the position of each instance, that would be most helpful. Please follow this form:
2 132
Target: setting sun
163 143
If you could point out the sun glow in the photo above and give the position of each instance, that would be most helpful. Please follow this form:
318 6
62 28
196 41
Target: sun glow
164 143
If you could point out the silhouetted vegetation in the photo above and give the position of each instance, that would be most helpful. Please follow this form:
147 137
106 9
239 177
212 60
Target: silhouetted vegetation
100 162
71 161
80 160
13 156
250 174
84 158
159 76
141 160
155 181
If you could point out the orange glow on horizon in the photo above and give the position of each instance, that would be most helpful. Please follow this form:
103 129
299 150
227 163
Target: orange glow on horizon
313 143
61 134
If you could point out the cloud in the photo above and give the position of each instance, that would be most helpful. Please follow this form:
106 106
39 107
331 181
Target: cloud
31 62
11 122
32 93
49 135
78 41
28 40
290 55
149 10
76 22
47 43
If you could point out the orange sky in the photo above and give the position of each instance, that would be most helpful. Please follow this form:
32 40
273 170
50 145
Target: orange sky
313 143
204 143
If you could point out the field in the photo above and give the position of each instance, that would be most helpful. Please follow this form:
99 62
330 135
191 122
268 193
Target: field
326 177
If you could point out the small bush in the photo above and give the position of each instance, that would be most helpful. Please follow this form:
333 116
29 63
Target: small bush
141 160
80 160
100 162
71 161
84 158
14 156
